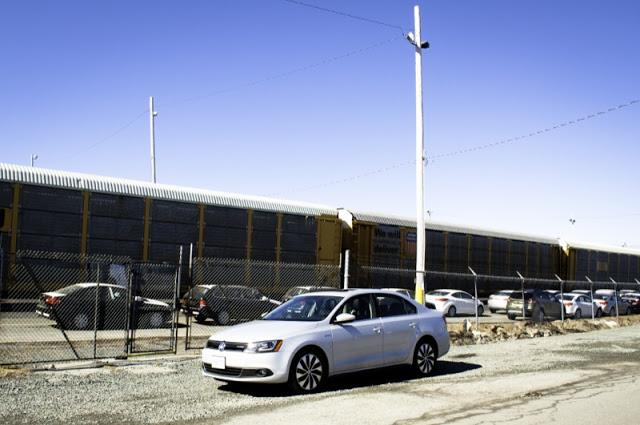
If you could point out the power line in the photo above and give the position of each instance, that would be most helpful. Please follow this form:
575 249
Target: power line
287 73
104 139
348 15
462 151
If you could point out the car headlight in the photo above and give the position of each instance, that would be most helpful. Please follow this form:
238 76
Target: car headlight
264 346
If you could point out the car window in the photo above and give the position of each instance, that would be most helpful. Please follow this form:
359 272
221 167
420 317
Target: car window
309 308
360 306
465 296
390 305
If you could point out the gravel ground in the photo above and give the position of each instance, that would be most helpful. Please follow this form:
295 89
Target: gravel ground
167 390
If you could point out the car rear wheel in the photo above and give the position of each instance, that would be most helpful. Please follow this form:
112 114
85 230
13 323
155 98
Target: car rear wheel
511 316
577 314
424 358
538 315
308 372
628 311
452 311
612 312
81 321
599 312
480 310
156 319
492 310
223 318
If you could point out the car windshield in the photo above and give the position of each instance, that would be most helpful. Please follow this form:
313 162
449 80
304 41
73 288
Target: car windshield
307 308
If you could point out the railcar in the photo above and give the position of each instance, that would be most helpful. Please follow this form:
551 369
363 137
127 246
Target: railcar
55 211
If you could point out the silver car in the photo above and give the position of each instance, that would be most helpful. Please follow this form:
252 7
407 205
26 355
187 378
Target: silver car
318 335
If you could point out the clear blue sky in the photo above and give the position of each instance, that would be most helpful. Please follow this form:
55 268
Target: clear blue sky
275 98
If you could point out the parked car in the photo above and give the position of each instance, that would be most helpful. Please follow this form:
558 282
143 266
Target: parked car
297 290
498 301
537 304
452 302
633 298
315 336
411 294
577 305
224 303
606 300
78 306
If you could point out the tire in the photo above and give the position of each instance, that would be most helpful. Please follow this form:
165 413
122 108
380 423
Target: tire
81 321
578 314
452 311
628 311
612 312
511 316
493 310
598 313
156 319
200 318
424 358
480 310
223 318
538 315
308 372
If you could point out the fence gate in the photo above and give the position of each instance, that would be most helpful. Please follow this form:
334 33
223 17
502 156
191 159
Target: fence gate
154 298
61 307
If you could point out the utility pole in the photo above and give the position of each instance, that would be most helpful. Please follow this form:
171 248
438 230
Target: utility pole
152 115
420 230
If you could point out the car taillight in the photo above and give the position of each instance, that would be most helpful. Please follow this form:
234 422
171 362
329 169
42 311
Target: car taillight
52 300
203 303
568 303
441 299
602 303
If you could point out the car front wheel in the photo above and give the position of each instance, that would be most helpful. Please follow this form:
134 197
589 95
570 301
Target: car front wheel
223 318
480 310
424 358
81 321
308 372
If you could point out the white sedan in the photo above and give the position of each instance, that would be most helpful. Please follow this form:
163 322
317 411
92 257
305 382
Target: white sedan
321 334
578 305
452 302
498 301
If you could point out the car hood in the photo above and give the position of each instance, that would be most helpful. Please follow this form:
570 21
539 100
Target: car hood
260 330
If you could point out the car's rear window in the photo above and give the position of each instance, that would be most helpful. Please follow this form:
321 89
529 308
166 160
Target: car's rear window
439 293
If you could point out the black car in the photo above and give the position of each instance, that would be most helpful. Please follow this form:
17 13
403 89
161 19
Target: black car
224 303
538 305
79 306
634 300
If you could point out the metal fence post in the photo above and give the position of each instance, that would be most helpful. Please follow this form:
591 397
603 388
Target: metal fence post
346 269
593 308
523 300
475 289
562 299
615 295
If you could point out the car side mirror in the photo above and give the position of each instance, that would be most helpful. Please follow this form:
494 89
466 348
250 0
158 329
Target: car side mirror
345 318
138 299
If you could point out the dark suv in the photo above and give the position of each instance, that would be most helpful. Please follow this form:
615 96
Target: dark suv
538 305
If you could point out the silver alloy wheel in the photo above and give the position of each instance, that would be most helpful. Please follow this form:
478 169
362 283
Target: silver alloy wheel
577 314
425 358
223 318
308 372
156 319
81 321
452 311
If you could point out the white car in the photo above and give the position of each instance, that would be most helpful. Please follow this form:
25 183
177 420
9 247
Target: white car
318 335
453 302
499 300
606 299
579 305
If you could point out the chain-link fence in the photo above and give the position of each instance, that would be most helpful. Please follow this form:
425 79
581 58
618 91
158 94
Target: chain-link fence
226 291
60 306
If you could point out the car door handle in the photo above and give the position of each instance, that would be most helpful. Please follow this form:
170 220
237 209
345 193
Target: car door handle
412 325
377 329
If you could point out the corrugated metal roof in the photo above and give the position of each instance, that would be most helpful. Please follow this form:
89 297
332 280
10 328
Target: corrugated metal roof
391 220
117 186
602 248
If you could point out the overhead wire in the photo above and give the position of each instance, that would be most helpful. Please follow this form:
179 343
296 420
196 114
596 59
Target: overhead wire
461 151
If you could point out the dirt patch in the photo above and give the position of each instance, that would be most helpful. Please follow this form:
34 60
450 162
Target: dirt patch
466 334
10 370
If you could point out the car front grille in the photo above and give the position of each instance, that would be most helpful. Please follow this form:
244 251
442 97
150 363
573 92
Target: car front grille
228 346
